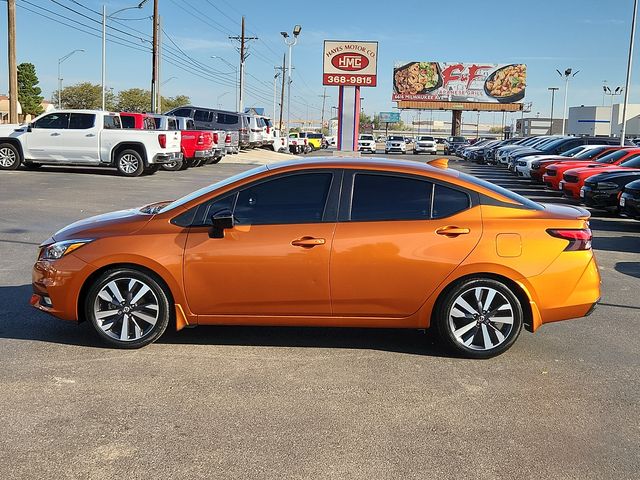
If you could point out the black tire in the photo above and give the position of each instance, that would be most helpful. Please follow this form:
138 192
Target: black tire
151 169
129 163
9 157
173 166
476 323
216 160
185 164
149 332
31 165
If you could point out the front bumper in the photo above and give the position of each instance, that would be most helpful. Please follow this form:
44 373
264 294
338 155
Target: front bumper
427 149
524 172
598 198
366 148
167 157
630 205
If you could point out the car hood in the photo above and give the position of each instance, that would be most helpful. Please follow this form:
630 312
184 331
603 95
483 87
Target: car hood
123 222
616 174
588 171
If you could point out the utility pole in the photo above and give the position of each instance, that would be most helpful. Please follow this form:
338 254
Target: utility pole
13 69
243 56
275 92
284 60
154 58
158 57
324 97
627 85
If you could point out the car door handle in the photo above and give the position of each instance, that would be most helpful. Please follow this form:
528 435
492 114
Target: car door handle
55 134
90 135
308 242
450 231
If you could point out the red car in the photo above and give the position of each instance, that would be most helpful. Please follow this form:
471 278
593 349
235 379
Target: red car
538 169
553 173
137 121
198 146
573 179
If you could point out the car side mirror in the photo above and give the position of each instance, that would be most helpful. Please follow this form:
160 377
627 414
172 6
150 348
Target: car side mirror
219 223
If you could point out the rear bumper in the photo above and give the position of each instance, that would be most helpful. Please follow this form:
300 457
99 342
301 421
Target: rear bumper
167 157
203 153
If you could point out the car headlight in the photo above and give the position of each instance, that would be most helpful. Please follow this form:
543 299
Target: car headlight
607 186
58 250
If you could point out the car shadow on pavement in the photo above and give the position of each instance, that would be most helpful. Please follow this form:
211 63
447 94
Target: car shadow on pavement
628 268
20 321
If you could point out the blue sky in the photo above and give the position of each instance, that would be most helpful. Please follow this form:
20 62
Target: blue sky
588 35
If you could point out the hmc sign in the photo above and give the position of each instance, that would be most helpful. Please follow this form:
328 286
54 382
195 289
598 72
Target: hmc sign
350 63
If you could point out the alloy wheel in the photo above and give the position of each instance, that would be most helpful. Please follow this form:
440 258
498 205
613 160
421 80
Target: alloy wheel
129 163
481 318
126 309
7 157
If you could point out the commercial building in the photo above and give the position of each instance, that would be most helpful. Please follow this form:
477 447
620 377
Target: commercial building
537 126
590 120
633 120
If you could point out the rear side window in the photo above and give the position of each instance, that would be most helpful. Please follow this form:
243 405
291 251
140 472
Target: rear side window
54 120
82 121
111 122
191 125
286 200
202 116
448 201
128 121
632 161
173 125
151 123
385 197
227 119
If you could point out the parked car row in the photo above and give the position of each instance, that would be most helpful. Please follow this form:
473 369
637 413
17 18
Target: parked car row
595 171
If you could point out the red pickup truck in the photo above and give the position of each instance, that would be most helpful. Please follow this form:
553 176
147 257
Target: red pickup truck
199 147
137 121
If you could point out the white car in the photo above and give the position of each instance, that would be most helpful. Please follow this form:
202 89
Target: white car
87 137
523 167
395 143
366 143
425 144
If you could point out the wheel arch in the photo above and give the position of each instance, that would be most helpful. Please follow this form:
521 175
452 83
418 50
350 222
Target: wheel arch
136 146
531 315
16 143
89 281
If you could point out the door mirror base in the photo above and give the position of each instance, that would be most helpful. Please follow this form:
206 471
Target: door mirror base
220 223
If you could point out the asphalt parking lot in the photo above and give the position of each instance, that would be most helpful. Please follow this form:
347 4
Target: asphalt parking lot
242 402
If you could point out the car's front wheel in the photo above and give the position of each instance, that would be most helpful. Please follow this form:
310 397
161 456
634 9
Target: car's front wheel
128 308
480 318
9 157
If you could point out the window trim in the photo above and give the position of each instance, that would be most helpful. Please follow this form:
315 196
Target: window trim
346 200
329 215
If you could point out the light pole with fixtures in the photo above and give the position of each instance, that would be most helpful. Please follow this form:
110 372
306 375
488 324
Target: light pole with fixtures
290 43
168 80
60 60
567 75
104 43
553 91
235 69
612 93
629 64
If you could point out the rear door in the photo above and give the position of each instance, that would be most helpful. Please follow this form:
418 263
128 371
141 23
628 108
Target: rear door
81 139
391 248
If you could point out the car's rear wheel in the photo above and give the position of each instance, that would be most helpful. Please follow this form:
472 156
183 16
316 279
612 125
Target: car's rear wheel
480 318
9 157
129 163
128 308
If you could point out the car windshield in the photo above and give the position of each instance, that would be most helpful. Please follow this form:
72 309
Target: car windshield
425 139
592 152
550 144
613 156
396 139
211 188
457 139
366 137
502 191
574 151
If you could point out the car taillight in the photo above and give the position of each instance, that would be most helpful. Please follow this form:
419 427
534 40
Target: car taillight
305 141
268 130
162 140
227 139
215 138
200 140
579 239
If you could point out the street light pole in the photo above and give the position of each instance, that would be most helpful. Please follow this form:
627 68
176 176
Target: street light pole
567 75
553 91
627 85
60 60
219 97
290 43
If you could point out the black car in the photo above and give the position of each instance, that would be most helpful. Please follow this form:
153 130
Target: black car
630 200
603 189
453 143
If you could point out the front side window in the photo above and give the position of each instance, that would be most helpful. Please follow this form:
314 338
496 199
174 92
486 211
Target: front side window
173 125
151 123
385 197
182 112
299 198
191 125
54 120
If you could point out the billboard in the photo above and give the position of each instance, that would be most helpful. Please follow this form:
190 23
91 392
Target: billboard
350 63
459 82
389 117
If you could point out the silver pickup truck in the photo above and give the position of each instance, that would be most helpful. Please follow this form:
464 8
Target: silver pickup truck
86 137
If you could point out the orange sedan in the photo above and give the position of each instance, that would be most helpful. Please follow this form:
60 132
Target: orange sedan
323 242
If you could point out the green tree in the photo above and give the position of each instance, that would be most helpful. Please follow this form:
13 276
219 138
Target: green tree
169 103
84 95
134 100
28 90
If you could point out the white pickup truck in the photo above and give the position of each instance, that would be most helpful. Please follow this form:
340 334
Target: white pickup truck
86 137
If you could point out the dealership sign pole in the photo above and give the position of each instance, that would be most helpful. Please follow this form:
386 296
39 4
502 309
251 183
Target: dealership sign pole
349 66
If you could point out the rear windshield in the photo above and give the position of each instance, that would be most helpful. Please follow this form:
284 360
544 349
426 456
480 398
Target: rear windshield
525 202
457 139
315 135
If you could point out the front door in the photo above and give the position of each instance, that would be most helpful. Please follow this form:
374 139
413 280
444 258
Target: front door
399 239
275 260
45 141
